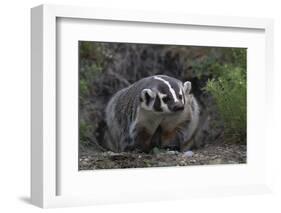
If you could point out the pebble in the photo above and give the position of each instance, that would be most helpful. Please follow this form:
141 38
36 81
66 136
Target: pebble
216 161
155 150
182 163
84 163
188 154
172 152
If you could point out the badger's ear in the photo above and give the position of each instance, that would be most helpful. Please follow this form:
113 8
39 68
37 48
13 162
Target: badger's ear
187 87
147 95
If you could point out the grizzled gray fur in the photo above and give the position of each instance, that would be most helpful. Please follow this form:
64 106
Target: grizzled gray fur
154 111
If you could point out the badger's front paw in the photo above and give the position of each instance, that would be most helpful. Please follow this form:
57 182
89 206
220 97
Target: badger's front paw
142 140
170 140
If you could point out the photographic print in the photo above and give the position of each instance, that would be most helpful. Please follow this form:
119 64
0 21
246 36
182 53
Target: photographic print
154 105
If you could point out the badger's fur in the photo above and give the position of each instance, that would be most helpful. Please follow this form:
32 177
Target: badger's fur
154 111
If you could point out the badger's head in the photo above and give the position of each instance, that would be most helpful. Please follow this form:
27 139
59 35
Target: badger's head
165 95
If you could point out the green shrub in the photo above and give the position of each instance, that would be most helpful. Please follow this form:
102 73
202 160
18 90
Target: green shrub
212 64
91 64
229 92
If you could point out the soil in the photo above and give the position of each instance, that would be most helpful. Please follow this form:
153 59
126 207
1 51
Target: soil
210 154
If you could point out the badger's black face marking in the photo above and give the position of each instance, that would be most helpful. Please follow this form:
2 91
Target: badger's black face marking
157 104
147 98
166 99
170 95
180 97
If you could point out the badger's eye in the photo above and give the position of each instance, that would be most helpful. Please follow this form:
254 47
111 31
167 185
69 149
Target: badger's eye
165 99
180 96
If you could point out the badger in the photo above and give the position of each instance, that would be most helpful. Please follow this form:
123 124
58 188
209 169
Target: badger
154 111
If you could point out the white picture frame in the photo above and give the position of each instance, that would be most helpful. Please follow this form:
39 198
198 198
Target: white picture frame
46 167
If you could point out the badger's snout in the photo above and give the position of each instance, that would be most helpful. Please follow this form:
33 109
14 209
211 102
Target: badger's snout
177 107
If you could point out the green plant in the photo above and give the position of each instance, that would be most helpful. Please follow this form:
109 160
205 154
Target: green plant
84 132
92 61
229 92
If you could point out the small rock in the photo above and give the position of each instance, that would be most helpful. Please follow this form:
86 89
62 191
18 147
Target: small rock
182 163
172 152
111 153
192 161
216 161
84 163
188 154
213 157
155 150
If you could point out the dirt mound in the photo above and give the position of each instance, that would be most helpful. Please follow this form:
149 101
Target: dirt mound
211 154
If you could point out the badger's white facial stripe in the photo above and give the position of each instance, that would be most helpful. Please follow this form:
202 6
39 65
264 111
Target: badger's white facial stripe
163 105
182 98
170 88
